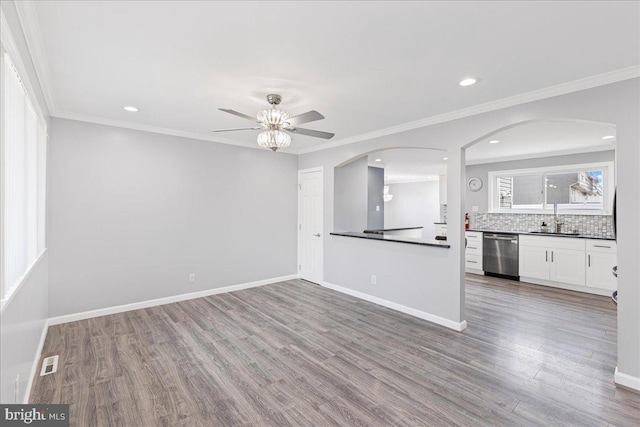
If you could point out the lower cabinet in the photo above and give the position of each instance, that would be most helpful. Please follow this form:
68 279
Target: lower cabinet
601 258
567 266
533 262
568 262
473 252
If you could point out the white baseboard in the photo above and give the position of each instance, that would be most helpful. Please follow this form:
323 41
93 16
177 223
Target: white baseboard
456 326
577 288
161 301
34 367
626 381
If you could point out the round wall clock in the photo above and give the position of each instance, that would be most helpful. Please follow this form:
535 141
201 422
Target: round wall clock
474 184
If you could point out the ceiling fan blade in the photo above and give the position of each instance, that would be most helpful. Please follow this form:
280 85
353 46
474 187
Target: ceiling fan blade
314 133
309 116
235 113
230 130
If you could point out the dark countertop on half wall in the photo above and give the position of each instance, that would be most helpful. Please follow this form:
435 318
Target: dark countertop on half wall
382 237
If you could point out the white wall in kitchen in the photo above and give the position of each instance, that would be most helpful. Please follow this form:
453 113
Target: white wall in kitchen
414 204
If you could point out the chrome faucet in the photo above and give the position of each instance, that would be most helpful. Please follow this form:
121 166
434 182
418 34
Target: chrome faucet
557 225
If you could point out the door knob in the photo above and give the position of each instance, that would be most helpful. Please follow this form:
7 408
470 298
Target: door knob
317 234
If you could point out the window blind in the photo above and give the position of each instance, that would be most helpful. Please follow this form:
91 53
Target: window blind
23 180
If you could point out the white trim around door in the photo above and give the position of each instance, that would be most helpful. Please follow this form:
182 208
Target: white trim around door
310 224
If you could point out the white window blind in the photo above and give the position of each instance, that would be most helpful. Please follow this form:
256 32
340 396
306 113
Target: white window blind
23 146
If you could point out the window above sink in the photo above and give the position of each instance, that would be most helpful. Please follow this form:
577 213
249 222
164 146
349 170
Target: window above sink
576 189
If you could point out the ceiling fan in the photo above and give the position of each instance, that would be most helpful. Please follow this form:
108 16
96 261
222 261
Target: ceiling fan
277 125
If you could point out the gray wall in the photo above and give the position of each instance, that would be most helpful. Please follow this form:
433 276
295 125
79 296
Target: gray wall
133 213
615 103
481 198
351 189
375 218
21 326
414 204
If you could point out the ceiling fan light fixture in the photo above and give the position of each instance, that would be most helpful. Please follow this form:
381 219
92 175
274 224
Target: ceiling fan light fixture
274 139
273 117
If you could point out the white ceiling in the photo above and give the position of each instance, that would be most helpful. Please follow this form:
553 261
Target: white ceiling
526 141
542 139
410 164
365 66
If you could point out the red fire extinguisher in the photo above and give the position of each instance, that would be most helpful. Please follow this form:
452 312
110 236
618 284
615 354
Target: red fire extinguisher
466 221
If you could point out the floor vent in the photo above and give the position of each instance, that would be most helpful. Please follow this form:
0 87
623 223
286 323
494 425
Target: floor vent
49 365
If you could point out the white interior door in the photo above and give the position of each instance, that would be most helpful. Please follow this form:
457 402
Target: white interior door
310 232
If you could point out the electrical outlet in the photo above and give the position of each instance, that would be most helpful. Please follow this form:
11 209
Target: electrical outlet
474 209
373 279
192 278
377 208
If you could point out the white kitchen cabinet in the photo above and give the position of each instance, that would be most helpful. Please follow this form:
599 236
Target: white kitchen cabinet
553 259
601 258
473 252
533 262
567 266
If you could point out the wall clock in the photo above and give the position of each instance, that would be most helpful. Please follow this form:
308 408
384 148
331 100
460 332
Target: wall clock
474 184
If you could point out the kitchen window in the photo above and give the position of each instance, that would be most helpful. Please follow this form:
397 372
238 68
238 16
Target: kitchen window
576 188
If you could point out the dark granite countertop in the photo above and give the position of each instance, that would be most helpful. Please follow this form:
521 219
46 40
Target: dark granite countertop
409 240
382 230
530 233
396 229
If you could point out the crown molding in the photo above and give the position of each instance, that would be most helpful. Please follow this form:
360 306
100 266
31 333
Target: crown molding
523 98
31 28
155 129
29 22
9 44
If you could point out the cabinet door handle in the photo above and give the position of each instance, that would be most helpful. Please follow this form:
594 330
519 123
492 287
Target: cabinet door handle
473 262
602 246
589 258
546 256
471 247
551 256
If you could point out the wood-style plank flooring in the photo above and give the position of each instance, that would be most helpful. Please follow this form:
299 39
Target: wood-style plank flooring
297 354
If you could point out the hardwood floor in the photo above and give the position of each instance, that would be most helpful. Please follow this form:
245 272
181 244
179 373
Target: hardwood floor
297 354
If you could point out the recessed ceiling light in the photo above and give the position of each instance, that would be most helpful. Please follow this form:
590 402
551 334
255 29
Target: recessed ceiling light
378 160
468 81
131 108
445 158
609 137
494 141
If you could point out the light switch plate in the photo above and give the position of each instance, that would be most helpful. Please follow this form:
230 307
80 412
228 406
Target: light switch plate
474 209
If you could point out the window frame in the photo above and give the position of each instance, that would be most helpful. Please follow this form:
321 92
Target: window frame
608 178
9 48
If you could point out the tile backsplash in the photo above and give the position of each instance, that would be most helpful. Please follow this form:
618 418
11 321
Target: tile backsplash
589 225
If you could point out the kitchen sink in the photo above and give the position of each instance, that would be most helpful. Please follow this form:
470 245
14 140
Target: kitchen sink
555 234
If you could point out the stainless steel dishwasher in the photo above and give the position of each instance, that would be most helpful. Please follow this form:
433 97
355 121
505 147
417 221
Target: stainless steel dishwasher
500 255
